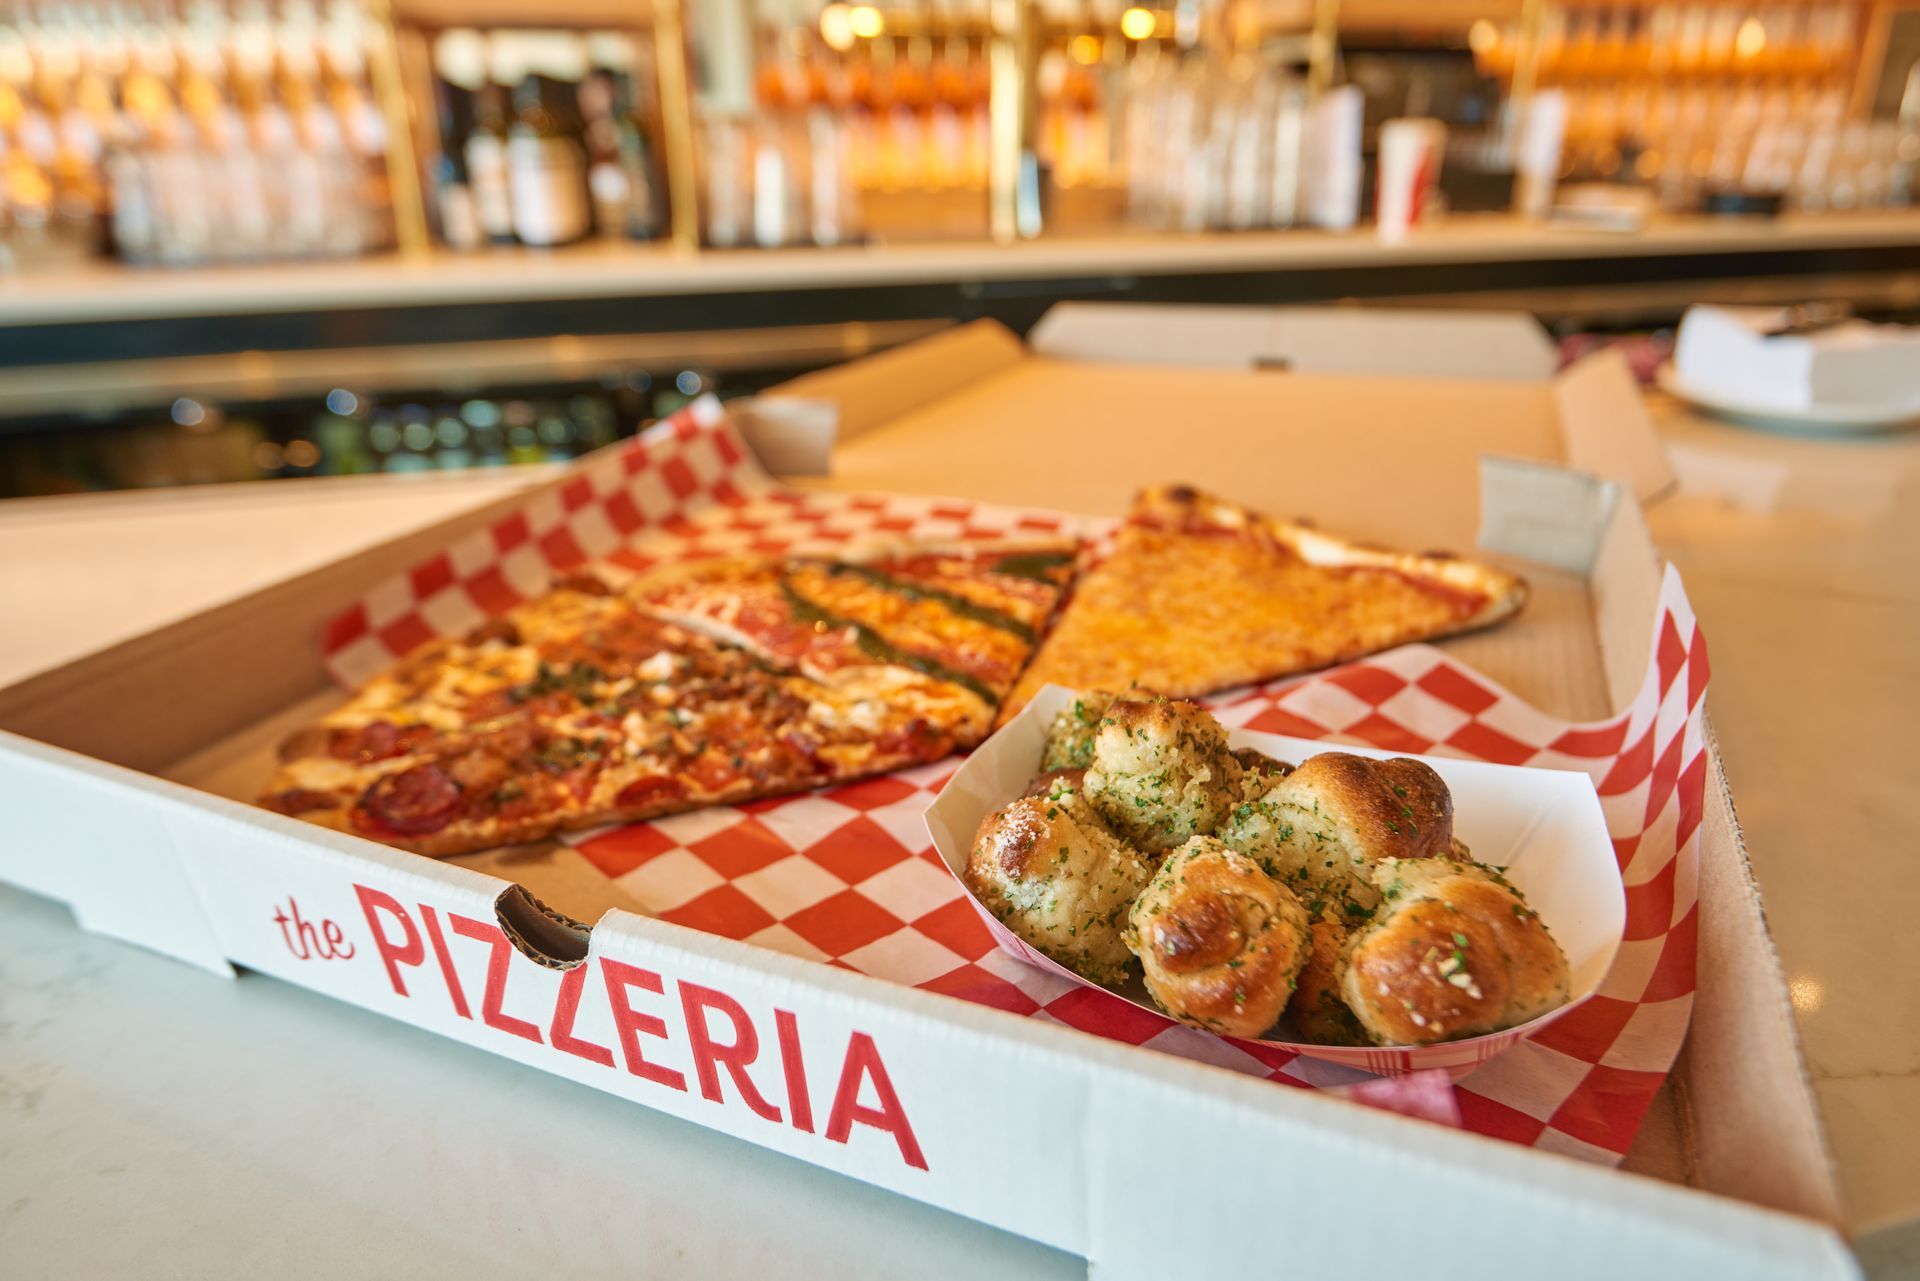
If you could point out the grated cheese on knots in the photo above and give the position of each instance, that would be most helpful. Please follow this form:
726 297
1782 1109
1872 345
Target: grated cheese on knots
1454 951
1219 941
1057 877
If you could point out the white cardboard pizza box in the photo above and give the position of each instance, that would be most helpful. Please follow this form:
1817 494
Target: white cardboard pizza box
1033 1128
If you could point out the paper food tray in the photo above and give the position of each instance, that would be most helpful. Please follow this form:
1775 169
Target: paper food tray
1543 828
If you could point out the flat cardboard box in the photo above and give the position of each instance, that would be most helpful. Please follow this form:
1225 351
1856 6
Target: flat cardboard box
1142 1163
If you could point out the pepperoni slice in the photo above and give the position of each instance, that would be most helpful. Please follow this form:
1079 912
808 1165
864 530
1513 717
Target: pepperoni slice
805 750
917 737
378 741
648 790
713 771
491 705
414 801
374 742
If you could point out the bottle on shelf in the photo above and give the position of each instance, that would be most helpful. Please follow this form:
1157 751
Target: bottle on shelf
634 135
621 173
453 205
347 90
547 165
485 154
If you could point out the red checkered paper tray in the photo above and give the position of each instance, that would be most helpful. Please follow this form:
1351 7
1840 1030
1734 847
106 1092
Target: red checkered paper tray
849 877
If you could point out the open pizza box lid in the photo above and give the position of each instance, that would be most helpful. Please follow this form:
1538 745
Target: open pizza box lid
1604 428
187 873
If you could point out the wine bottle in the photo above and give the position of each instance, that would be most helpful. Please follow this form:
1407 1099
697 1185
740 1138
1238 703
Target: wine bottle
485 154
547 165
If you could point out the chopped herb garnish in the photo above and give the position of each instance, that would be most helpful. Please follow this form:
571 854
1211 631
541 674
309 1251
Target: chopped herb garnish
876 646
1032 564
919 591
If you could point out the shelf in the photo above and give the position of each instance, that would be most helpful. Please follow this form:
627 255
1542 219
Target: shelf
623 15
1399 16
105 292
84 389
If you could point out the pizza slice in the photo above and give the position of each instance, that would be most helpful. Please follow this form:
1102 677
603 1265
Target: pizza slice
1023 582
970 616
1200 595
509 781
713 683
744 601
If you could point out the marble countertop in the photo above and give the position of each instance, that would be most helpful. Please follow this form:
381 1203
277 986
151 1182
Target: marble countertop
1802 557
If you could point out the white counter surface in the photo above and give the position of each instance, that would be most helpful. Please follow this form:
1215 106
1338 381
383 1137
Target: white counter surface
156 1122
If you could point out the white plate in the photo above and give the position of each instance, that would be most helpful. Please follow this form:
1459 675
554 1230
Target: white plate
1826 419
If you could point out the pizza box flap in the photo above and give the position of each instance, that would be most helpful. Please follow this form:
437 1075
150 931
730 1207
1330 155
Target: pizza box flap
1593 408
1391 342
1608 430
1137 1116
878 388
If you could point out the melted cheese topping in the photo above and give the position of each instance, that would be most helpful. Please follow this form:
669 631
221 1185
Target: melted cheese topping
1185 615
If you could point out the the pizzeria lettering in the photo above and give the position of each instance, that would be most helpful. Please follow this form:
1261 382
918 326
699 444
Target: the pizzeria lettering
721 1038
310 940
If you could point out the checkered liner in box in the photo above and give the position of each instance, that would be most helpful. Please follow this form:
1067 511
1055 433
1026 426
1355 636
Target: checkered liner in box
849 877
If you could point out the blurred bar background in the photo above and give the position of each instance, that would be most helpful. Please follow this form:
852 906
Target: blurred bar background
257 238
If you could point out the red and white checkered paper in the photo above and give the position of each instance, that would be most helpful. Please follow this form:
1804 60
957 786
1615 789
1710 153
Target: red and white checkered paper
848 876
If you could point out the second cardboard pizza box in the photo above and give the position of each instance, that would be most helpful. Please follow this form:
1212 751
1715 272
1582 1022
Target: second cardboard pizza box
110 780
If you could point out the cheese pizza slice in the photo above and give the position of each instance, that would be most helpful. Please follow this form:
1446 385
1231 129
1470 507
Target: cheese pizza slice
1200 595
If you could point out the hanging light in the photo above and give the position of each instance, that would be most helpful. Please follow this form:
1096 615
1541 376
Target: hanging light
836 27
1137 23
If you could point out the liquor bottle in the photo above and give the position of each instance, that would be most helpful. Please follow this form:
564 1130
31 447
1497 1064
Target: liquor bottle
485 153
149 115
322 142
452 189
646 208
26 189
621 175
606 180
344 76
546 165
239 195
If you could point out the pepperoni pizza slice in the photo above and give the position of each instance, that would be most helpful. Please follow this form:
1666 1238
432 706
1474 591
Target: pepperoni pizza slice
717 683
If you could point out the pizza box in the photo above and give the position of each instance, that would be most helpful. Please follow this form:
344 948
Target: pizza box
117 772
